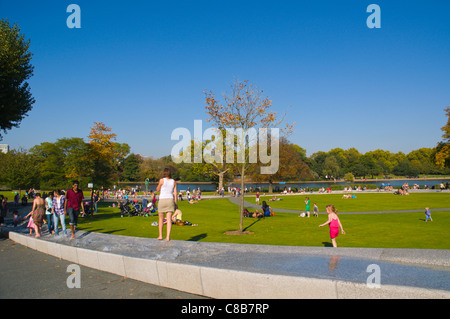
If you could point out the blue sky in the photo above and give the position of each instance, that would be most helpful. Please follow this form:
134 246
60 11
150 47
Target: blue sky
141 67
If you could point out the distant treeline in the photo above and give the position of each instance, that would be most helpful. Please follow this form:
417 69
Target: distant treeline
55 165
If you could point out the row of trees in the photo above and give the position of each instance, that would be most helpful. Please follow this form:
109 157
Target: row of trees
105 162
338 162
295 166
54 165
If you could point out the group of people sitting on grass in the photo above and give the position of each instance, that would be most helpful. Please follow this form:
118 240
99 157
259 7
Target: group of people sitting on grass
266 211
401 192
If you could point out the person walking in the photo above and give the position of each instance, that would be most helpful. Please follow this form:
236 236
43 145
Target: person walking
167 202
72 204
49 214
96 200
3 210
316 210
58 211
37 213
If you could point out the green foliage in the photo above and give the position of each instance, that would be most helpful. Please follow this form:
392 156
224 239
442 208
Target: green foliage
130 171
18 170
349 177
15 68
338 162
63 161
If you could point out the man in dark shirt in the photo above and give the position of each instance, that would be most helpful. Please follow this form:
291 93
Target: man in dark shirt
73 202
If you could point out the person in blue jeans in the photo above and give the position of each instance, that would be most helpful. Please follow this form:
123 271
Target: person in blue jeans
58 211
48 213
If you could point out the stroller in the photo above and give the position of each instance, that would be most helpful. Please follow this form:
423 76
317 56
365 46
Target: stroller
149 210
130 209
87 209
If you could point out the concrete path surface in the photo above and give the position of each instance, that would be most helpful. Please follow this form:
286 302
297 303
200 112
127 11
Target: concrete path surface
29 274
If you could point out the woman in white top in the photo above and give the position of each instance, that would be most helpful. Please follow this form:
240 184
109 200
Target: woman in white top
167 201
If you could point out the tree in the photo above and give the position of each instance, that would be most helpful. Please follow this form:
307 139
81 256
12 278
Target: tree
352 156
292 167
15 68
442 156
107 155
214 170
243 108
331 167
316 163
384 161
18 170
370 164
131 168
62 162
50 164
404 168
152 168
349 177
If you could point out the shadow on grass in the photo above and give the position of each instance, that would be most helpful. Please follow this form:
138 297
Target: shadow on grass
100 216
198 237
256 221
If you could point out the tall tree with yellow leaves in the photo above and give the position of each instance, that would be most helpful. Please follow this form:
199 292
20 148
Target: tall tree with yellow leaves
107 154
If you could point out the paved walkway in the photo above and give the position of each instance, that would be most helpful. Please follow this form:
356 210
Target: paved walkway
29 274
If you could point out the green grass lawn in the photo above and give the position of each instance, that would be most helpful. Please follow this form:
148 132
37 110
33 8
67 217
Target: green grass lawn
363 202
217 216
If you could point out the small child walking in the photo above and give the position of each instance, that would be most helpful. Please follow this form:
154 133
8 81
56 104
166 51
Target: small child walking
16 218
30 222
427 214
316 210
334 222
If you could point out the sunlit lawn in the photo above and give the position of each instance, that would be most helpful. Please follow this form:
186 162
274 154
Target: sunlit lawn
363 202
217 216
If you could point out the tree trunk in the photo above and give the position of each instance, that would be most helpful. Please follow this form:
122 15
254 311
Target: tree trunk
241 219
220 180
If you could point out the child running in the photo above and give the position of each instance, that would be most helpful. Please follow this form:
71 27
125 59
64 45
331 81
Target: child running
427 214
334 222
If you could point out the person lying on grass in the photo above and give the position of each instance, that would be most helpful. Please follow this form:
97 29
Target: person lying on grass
266 212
